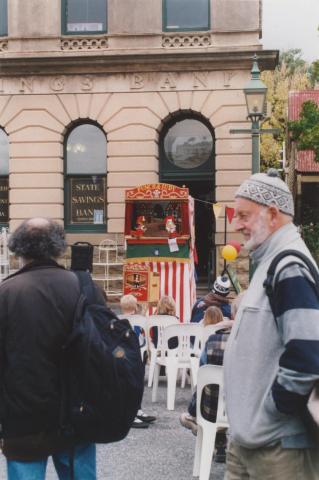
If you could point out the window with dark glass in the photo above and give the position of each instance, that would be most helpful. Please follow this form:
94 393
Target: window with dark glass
188 144
84 16
186 15
85 178
4 178
3 18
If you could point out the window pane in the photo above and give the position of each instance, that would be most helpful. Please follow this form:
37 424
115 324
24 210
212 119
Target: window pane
87 199
188 144
4 153
187 14
3 18
86 15
86 150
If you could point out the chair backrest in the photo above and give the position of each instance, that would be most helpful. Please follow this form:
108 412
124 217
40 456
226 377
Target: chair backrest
161 322
136 321
211 375
189 337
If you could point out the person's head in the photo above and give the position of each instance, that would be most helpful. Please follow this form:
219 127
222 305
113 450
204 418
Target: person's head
212 316
222 285
38 239
166 306
128 304
263 204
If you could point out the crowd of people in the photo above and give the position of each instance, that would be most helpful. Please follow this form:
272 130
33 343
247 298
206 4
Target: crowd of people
269 350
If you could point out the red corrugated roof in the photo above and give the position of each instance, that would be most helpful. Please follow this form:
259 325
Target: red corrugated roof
305 158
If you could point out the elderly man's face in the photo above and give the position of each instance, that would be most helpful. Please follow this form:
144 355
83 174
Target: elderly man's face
253 221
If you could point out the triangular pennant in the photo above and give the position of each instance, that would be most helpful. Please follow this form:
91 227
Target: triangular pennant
230 212
217 208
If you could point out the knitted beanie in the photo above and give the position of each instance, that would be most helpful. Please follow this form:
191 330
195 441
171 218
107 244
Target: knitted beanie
268 189
222 285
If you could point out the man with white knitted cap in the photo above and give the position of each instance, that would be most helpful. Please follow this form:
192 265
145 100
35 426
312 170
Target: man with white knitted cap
272 359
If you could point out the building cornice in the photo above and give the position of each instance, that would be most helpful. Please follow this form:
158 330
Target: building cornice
116 62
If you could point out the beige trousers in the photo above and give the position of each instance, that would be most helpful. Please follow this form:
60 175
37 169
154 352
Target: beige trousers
271 463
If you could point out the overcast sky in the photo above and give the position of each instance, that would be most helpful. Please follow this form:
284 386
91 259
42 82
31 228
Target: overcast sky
292 24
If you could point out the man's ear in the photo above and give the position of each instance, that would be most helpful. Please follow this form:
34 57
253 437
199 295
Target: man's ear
274 215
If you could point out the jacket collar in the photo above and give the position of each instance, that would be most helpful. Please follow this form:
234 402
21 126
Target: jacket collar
34 264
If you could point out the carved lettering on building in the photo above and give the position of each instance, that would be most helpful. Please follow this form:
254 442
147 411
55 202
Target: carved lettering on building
57 84
137 81
109 83
228 77
200 79
26 84
86 83
168 82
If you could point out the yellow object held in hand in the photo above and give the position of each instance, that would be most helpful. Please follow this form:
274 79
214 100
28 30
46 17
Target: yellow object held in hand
229 253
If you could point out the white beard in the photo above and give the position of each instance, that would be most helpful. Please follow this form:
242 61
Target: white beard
260 233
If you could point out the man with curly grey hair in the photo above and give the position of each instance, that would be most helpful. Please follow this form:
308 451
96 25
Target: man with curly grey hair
37 306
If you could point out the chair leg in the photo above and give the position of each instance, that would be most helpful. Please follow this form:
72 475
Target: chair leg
208 444
183 381
198 451
155 382
151 368
171 373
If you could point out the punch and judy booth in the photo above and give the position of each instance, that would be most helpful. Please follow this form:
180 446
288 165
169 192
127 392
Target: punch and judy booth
159 235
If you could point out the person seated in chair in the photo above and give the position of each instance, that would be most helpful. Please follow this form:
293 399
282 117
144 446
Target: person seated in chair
213 354
129 306
217 298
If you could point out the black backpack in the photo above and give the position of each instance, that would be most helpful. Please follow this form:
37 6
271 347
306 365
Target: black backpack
102 373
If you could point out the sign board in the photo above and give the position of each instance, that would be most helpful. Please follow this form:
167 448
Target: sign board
4 202
87 200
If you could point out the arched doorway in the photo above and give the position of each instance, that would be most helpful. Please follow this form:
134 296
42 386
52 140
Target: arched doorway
187 157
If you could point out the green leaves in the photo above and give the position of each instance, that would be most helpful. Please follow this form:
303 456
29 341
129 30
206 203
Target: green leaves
305 131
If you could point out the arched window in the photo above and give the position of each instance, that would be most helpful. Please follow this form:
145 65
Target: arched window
4 178
186 15
84 16
85 178
3 18
186 147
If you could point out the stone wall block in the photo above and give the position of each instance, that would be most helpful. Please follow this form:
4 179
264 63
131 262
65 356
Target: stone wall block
115 225
98 103
127 116
71 106
41 165
123 149
116 210
234 145
137 163
227 178
33 150
35 118
36 210
84 104
28 195
38 134
133 132
225 194
131 179
233 162
39 180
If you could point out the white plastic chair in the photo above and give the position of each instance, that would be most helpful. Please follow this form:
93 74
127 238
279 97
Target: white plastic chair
141 322
160 322
206 433
184 356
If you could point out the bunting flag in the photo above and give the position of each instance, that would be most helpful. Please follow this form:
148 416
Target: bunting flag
217 208
230 212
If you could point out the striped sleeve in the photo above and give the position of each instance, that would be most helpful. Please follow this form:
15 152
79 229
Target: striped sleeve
296 307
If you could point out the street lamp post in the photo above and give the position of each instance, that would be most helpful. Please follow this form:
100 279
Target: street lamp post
255 94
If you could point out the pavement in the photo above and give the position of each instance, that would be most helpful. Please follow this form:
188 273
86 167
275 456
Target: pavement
164 451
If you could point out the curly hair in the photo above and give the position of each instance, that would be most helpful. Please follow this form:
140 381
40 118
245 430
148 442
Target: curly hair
38 239
166 306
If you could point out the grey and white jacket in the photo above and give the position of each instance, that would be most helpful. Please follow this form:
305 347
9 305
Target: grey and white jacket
271 365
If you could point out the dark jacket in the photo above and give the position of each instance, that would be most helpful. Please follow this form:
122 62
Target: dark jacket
37 305
212 299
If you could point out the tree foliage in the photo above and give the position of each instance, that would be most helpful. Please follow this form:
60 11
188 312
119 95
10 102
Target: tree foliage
292 73
305 131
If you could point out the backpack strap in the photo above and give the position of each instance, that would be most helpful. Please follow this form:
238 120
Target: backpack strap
86 285
269 281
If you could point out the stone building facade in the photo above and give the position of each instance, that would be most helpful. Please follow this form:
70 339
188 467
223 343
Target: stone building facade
93 102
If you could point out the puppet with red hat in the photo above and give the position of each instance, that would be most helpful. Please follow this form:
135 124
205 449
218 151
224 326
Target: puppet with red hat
140 228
